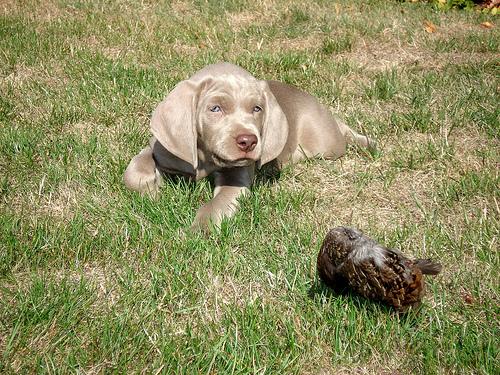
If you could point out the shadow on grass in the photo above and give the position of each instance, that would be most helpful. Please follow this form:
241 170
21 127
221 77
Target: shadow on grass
268 174
320 290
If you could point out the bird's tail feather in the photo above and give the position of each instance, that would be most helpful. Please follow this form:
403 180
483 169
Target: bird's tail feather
428 267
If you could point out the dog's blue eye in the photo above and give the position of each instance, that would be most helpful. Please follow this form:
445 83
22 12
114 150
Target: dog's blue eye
215 108
257 108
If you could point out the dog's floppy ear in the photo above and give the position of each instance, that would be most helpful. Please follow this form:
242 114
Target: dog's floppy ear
173 121
275 128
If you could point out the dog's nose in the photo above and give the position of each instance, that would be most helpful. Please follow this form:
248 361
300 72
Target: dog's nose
246 142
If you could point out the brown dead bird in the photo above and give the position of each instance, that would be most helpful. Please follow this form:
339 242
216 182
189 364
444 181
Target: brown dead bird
349 259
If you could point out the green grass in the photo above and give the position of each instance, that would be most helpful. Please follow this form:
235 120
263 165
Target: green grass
94 278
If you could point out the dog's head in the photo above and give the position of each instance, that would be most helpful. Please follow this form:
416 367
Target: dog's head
224 112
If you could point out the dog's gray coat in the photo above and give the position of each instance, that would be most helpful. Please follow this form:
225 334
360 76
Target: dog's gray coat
197 130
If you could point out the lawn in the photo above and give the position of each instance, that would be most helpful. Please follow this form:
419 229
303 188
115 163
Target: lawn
95 278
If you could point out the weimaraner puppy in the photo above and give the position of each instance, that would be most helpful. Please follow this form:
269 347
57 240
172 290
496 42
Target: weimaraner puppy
223 121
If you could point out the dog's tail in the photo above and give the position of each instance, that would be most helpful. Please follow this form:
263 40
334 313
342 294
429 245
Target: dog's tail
354 138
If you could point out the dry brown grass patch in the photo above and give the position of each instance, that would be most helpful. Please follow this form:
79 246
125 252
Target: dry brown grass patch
357 192
51 74
385 52
261 13
185 49
392 53
84 129
309 42
60 204
224 291
468 144
99 277
341 200
43 10
181 8
241 20
379 365
456 29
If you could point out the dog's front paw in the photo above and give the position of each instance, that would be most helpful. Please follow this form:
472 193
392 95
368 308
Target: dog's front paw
142 175
150 185
206 219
